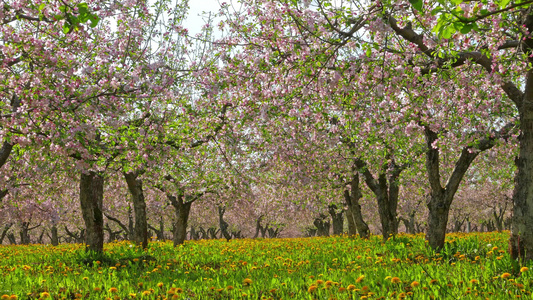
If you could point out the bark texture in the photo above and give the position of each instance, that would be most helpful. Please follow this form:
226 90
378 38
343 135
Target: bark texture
386 189
91 197
139 207
353 213
182 217
337 219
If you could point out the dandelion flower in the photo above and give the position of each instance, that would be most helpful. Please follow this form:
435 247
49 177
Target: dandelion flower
395 280
97 289
229 287
433 281
312 288
247 281
4 297
351 287
45 295
133 295
415 284
506 275
341 289
146 293
160 285
524 269
474 281
113 290
360 278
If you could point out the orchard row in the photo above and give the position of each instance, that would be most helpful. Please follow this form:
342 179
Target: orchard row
280 112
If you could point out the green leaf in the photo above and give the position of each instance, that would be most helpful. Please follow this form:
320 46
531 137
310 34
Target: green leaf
41 7
94 20
436 11
417 4
467 28
503 3
447 32
66 28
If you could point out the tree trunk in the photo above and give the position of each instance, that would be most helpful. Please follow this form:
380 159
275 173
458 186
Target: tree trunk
182 217
352 197
258 226
139 207
4 232
441 198
91 198
521 239
322 225
24 233
11 238
337 219
386 189
410 223
55 237
224 226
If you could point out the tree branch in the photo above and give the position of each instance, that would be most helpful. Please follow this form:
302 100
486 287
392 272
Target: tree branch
458 60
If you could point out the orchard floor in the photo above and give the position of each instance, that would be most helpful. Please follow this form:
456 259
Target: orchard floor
473 266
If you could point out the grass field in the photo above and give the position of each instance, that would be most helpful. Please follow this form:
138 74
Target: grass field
473 266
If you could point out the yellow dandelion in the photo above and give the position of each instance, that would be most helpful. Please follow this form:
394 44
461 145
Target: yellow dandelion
320 281
159 284
506 275
312 288
360 278
351 287
4 297
140 284
402 295
45 295
433 281
229 287
474 281
329 283
13 297
395 280
97 289
342 290
415 284
179 290
247 281
146 293
113 290
175 296
133 295
85 278
524 269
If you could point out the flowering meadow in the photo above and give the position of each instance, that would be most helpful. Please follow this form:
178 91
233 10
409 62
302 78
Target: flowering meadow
472 266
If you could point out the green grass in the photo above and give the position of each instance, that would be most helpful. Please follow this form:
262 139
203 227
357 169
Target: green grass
473 266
